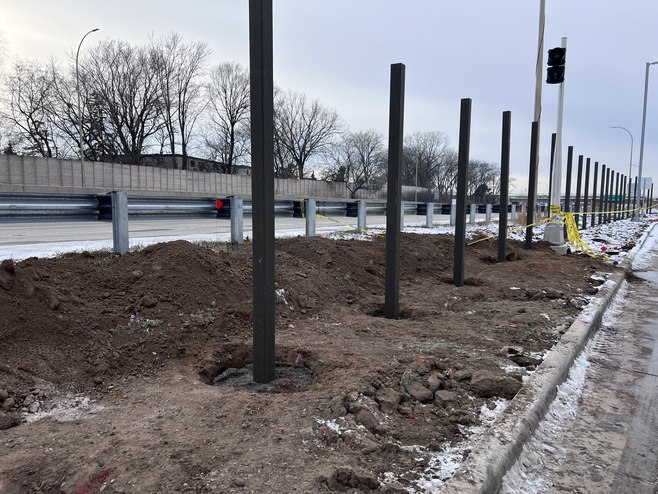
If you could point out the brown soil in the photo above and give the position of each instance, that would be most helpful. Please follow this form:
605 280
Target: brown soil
106 363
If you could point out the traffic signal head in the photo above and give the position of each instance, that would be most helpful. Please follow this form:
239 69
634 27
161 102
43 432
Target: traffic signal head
556 60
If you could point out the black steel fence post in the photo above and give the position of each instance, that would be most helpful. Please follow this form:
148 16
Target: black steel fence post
262 183
532 184
394 192
586 208
504 186
462 181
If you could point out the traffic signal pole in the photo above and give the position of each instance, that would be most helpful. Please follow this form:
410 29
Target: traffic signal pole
554 232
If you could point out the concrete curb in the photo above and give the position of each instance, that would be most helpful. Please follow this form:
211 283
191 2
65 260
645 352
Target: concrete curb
500 447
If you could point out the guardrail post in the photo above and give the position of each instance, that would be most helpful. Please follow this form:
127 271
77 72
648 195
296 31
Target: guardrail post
429 215
487 213
472 210
310 211
513 211
120 222
401 215
453 212
361 215
237 220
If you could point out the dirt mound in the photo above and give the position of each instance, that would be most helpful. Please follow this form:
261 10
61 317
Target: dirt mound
116 356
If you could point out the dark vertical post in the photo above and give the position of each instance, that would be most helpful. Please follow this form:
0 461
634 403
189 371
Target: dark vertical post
651 198
629 194
462 181
586 194
606 202
616 197
550 181
635 197
622 191
532 184
262 183
579 185
394 192
504 186
602 194
594 189
567 190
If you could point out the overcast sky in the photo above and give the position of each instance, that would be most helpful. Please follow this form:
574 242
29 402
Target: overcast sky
340 52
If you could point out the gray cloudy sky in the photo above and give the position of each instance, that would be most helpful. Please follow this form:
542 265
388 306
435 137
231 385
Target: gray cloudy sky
340 52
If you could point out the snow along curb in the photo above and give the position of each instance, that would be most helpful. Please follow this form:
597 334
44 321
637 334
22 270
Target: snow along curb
500 447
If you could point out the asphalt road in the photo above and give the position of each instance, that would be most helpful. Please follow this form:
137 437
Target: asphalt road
20 240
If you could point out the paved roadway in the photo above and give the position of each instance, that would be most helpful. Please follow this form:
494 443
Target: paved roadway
602 436
20 240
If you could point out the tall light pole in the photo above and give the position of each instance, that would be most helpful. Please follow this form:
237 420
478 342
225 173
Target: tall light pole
630 161
77 86
644 124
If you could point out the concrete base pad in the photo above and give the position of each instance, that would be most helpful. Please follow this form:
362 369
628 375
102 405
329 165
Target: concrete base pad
554 233
560 250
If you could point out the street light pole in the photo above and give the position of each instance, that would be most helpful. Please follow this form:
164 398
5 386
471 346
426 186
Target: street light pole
77 86
644 123
630 161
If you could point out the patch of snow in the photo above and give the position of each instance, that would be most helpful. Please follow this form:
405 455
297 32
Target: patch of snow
442 465
67 408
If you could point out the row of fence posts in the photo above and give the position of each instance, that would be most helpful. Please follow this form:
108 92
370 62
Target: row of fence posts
262 96
613 194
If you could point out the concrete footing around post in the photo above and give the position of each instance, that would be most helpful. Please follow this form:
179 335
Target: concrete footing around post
554 233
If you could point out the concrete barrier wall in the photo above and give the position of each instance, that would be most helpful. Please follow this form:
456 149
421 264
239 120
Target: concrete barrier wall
37 174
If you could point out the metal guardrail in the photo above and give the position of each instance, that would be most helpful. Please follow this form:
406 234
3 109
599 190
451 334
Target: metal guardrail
39 206
25 207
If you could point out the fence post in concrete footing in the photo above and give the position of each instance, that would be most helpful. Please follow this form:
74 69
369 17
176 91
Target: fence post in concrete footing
310 211
429 215
361 215
120 222
237 220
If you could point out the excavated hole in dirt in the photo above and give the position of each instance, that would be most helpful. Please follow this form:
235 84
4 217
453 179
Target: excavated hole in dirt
236 370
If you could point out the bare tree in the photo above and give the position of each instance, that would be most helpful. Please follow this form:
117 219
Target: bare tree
424 157
123 82
302 129
446 177
179 67
227 131
27 110
358 160
483 180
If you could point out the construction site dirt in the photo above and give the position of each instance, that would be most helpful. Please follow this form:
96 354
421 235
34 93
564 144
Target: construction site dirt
116 373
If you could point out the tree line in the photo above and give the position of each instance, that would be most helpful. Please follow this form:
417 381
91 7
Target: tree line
164 97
